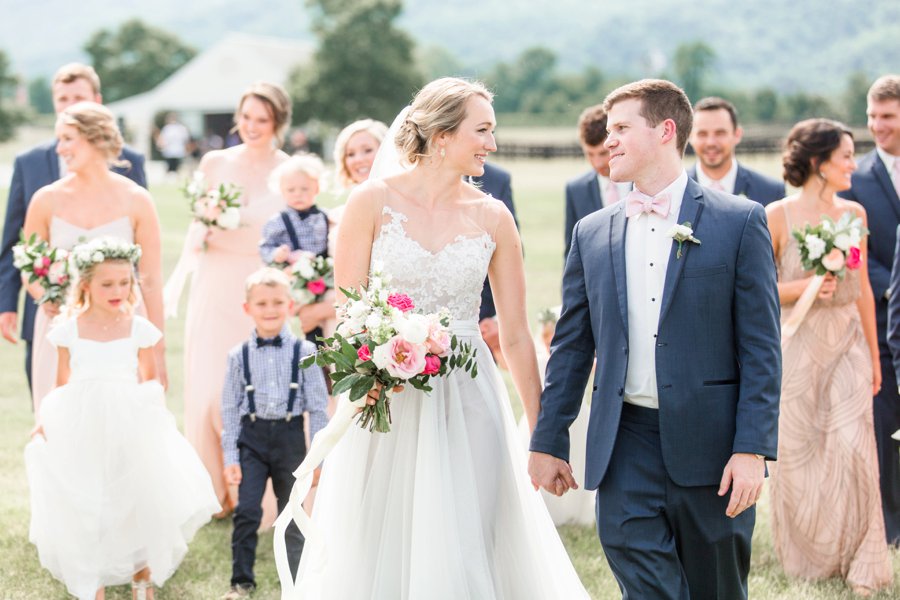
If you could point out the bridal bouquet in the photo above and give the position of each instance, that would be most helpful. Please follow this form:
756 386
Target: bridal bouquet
829 247
44 264
311 275
380 339
213 207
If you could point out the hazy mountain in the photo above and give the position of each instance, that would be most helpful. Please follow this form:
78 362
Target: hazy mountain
804 44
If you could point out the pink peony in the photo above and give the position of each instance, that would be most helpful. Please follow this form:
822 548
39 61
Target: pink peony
364 354
316 286
853 258
401 301
834 260
400 358
438 341
432 365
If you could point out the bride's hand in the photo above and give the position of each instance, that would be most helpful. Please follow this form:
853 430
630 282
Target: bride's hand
375 392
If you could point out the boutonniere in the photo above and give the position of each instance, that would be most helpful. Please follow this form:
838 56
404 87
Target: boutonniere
681 234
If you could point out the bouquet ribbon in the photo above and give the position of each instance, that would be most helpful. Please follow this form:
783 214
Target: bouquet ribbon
321 447
801 307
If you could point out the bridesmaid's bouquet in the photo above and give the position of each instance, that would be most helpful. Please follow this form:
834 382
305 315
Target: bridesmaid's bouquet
829 247
380 339
43 264
213 207
311 275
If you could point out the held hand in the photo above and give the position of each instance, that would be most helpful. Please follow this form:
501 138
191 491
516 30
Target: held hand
551 473
876 376
826 292
38 431
233 474
372 396
744 474
8 326
51 309
316 474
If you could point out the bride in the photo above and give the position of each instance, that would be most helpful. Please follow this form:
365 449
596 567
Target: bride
441 506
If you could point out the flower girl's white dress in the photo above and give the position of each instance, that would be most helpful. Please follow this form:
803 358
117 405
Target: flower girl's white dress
441 507
114 486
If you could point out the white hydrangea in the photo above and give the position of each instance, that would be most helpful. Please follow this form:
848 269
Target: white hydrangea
815 246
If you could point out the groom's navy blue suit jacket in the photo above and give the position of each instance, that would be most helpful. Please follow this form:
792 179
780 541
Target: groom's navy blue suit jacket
33 170
718 352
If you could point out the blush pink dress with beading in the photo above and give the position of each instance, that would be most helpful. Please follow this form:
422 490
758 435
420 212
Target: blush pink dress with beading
826 502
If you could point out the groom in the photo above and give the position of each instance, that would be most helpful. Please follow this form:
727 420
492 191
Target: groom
686 334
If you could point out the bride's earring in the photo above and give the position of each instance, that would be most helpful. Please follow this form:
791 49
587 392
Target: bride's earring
443 152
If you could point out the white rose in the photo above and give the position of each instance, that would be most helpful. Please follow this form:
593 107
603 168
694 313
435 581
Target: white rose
20 257
413 328
381 356
680 231
229 219
374 321
357 309
304 269
97 257
815 246
842 241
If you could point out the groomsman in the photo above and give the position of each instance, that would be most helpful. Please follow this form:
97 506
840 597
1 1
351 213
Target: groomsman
715 134
876 185
32 170
674 291
593 190
497 183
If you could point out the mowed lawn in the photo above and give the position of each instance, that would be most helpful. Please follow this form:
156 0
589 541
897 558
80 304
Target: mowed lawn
205 572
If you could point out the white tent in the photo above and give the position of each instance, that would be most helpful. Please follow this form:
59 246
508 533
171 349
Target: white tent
211 83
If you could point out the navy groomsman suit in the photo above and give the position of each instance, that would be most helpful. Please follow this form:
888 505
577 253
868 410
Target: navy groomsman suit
753 185
872 187
33 170
498 184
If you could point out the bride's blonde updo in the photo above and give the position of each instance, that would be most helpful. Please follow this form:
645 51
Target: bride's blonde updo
439 107
96 123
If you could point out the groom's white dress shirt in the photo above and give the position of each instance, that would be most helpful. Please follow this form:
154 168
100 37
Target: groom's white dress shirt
647 249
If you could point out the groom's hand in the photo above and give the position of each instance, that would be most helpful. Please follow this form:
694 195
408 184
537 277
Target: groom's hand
744 474
551 473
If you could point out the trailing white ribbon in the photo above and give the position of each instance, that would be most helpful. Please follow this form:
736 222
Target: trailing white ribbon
314 546
801 307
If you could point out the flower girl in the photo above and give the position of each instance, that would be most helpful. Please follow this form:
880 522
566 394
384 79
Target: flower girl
116 491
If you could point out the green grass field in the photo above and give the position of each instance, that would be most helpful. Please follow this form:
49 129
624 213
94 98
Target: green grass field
205 572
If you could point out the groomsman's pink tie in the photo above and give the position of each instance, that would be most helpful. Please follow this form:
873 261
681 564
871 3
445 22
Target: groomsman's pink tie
637 203
896 170
612 192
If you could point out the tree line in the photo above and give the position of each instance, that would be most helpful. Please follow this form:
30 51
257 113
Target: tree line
365 65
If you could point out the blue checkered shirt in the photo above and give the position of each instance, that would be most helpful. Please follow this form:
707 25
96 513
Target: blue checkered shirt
270 371
312 233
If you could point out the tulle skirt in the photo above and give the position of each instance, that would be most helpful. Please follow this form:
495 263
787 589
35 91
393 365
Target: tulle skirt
114 486
441 507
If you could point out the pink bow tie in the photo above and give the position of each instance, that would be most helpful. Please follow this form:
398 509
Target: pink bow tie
637 204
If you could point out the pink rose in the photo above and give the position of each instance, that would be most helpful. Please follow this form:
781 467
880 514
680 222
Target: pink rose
834 260
853 258
281 254
432 365
364 354
401 301
438 341
317 286
400 358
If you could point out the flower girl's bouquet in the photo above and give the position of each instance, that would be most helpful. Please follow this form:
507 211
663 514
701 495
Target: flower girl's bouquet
828 247
213 207
311 275
380 339
44 264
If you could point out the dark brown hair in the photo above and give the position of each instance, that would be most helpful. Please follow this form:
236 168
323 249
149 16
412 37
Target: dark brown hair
808 145
592 125
716 103
660 100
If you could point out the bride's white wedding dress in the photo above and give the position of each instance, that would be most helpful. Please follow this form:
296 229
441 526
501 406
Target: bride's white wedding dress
442 506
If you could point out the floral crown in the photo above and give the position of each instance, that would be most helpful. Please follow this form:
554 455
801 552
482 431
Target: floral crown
85 256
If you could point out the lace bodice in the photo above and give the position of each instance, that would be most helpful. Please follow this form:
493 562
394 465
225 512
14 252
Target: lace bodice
450 277
109 360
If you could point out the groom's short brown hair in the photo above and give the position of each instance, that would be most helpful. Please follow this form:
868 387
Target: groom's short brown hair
660 100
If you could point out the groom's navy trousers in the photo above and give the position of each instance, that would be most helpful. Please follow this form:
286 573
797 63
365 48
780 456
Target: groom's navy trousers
682 533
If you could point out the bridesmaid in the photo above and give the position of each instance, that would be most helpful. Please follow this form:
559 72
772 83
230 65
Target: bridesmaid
826 502
92 201
354 152
215 321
